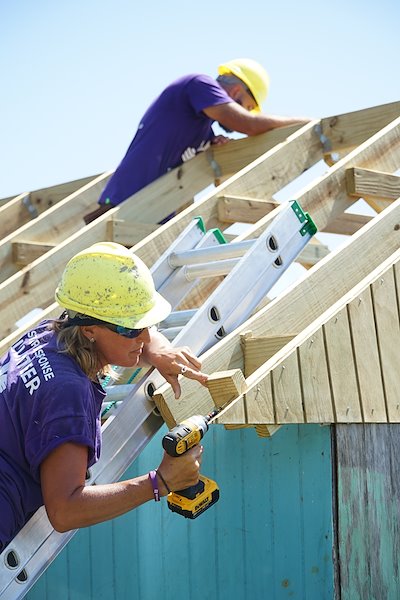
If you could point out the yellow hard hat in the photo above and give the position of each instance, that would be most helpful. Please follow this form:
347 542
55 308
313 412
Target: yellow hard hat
108 282
253 75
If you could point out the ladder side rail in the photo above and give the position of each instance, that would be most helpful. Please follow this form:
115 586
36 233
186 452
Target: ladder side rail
186 240
178 285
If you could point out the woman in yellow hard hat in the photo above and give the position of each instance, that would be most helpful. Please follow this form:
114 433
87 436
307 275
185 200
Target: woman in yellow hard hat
179 124
51 395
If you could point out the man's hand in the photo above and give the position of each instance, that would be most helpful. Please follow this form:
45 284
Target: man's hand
220 140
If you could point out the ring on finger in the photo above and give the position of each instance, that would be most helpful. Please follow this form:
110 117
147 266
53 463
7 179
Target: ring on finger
183 369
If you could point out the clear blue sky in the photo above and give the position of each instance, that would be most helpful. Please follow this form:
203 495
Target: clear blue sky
77 75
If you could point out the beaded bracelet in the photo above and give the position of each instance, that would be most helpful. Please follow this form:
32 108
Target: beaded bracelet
154 483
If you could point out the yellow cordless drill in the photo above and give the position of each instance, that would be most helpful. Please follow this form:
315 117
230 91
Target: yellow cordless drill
196 499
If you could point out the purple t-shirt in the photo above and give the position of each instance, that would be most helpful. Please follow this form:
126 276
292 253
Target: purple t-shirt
174 122
45 401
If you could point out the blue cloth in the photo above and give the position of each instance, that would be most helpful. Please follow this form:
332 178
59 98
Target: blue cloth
174 122
45 400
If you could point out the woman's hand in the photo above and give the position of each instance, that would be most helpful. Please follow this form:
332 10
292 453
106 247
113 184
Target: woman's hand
180 472
172 362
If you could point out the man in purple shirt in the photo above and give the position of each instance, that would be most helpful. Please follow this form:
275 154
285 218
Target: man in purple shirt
51 395
178 125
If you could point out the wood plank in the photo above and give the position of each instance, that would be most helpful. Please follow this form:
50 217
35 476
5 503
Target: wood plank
312 253
376 188
260 404
347 223
24 253
348 130
340 359
51 312
237 154
315 380
128 233
224 386
232 209
171 191
385 295
29 205
52 226
366 356
368 526
286 389
257 350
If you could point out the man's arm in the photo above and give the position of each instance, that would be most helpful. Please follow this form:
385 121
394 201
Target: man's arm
234 117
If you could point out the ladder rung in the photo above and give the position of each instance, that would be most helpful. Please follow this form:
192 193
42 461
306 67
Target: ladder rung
212 269
201 255
178 318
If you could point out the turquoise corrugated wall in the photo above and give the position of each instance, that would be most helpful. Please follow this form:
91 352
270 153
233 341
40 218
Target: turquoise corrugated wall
269 536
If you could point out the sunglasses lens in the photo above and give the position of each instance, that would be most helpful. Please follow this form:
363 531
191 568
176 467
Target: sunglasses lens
129 333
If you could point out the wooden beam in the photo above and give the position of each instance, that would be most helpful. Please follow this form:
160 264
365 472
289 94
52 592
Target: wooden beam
232 209
258 349
225 386
52 226
27 206
346 131
377 188
312 253
26 252
128 233
347 223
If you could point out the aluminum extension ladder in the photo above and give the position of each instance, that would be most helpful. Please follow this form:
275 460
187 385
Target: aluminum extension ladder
252 268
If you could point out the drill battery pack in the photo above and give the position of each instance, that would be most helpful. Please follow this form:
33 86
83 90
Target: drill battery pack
193 501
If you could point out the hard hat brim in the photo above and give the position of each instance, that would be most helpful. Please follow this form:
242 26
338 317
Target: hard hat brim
160 310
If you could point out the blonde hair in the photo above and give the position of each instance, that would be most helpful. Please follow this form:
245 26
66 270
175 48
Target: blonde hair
71 341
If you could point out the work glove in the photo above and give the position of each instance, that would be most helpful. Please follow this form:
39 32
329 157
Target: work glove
191 152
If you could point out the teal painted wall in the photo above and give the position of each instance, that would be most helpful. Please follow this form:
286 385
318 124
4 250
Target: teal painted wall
269 536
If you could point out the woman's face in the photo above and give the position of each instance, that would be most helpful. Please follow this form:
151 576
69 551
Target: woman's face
115 349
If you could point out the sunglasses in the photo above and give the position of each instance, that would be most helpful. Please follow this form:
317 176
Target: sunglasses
84 320
124 331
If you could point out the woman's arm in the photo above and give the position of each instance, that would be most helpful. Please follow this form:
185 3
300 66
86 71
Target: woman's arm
71 505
